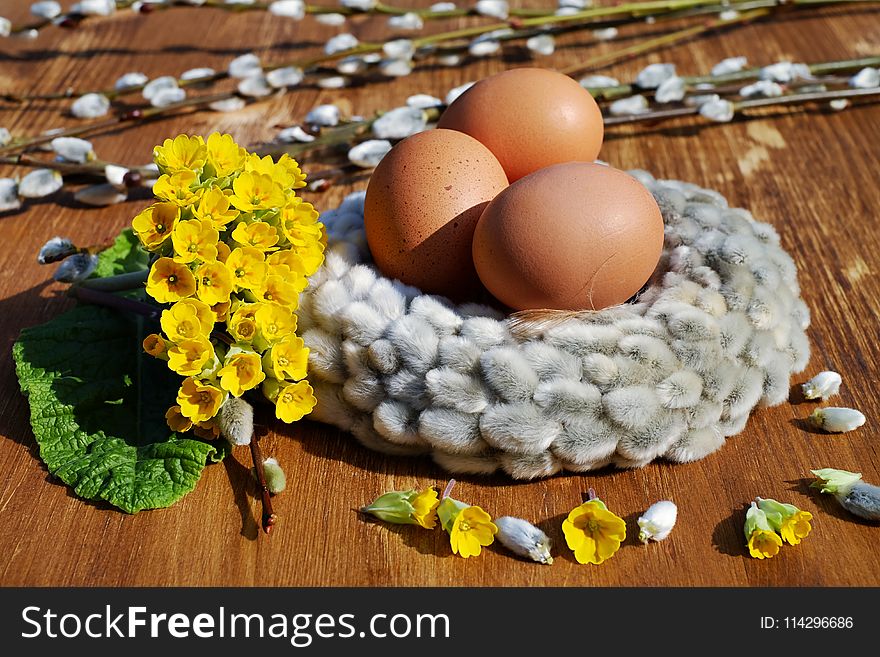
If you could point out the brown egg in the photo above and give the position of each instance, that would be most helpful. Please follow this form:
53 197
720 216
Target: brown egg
572 236
423 202
529 118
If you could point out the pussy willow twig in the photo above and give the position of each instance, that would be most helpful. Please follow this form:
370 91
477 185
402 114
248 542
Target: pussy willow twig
666 40
269 517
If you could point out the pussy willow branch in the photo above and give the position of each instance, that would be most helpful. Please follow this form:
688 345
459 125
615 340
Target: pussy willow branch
134 115
791 99
334 136
580 21
350 132
199 102
71 19
642 47
817 68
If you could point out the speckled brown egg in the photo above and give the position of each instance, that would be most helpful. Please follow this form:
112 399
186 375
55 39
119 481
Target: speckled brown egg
422 204
571 236
529 118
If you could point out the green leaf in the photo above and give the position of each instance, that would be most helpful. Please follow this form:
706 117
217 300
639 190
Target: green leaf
97 409
126 255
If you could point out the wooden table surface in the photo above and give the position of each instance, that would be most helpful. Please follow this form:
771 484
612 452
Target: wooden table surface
813 175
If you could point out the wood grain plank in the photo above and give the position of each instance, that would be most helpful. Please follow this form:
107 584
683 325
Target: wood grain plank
813 175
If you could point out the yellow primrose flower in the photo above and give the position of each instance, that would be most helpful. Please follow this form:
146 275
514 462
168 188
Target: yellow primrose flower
299 213
786 519
176 421
294 402
425 508
241 325
190 357
287 359
199 401
170 281
258 235
295 176
407 507
155 345
285 171
311 255
593 533
225 157
241 372
187 319
183 153
274 322
155 224
254 191
214 282
287 258
762 541
764 544
248 267
194 238
177 188
214 206
281 287
470 528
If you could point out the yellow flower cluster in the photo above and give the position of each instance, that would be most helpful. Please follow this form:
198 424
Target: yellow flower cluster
769 523
233 249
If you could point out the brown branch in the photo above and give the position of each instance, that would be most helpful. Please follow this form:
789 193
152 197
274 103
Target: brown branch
269 516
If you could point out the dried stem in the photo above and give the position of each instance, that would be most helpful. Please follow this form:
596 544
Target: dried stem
269 517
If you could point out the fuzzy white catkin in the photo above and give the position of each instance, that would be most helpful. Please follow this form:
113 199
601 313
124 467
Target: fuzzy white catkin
55 249
729 65
276 480
132 79
836 419
523 539
656 523
90 106
9 195
822 386
100 195
598 82
862 499
236 421
39 183
323 115
76 268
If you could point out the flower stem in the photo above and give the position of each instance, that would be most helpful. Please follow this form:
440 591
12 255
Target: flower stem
448 490
119 283
269 517
109 300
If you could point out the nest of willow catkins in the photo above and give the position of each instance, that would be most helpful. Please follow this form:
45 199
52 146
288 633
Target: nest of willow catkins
719 330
